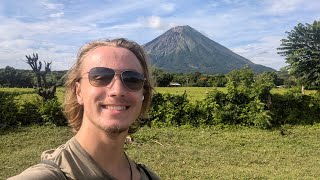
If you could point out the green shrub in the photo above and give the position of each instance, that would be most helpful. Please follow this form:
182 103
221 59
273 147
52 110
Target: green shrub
8 110
295 108
257 115
212 108
28 111
14 112
193 115
51 112
168 109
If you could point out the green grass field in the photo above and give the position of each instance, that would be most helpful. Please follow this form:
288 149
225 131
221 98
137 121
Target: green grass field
199 93
189 153
186 153
193 93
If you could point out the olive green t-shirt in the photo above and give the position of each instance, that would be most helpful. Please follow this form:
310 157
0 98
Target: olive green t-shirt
74 162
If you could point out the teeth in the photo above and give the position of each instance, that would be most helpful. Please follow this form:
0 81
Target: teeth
119 108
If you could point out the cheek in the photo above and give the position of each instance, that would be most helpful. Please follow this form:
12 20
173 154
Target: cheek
139 97
139 101
91 95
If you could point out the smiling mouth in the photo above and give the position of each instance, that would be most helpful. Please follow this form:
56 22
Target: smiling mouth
118 108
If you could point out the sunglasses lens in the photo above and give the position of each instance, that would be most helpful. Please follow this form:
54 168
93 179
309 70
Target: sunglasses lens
132 80
100 76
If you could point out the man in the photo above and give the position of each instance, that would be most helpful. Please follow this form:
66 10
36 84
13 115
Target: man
106 92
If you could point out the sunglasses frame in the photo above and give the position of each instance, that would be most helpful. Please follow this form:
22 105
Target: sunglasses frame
115 72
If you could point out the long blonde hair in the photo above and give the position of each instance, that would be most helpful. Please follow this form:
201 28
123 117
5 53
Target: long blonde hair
73 110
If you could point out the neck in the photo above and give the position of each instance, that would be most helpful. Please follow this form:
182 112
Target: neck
105 149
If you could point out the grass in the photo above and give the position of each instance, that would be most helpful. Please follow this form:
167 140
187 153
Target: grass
22 147
29 93
193 93
189 153
199 93
27 90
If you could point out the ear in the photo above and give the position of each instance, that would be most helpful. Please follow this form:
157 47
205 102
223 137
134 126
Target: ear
78 93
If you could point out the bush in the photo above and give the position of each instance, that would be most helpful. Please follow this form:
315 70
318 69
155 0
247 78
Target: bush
35 111
168 109
51 112
295 108
212 108
257 115
8 110
28 112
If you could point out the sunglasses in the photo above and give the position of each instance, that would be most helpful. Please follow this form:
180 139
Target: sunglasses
102 76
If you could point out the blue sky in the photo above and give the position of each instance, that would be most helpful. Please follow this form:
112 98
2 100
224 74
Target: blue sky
56 29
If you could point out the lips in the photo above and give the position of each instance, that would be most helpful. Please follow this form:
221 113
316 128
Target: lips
115 107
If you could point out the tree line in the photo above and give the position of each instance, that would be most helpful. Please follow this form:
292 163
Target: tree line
11 77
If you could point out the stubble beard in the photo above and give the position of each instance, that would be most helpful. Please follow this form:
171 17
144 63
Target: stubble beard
112 131
115 130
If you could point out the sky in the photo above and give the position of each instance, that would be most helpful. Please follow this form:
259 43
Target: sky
56 29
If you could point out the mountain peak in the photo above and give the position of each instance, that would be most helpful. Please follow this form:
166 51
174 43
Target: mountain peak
184 49
179 29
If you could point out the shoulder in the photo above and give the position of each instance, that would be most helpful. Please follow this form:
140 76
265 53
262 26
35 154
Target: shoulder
55 154
39 172
46 170
146 173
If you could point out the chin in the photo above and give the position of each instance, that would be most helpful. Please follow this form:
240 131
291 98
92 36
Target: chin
115 128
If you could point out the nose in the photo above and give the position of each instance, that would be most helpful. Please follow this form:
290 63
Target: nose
116 87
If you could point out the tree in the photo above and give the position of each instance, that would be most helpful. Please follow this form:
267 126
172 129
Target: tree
162 78
10 77
43 89
238 85
10 74
302 51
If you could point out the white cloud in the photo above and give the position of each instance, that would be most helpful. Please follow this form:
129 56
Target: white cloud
56 15
263 52
167 7
283 6
51 6
133 25
213 4
13 54
106 12
55 28
157 23
154 22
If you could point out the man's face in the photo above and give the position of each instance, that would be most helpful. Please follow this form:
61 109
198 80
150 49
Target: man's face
112 108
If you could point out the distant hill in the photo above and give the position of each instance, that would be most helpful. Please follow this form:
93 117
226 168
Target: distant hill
183 49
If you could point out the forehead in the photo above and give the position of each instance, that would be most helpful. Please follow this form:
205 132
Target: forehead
111 57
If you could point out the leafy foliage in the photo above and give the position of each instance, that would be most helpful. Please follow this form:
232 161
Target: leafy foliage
302 51
295 108
28 112
196 79
51 112
161 78
35 111
168 109
10 77
248 102
8 110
